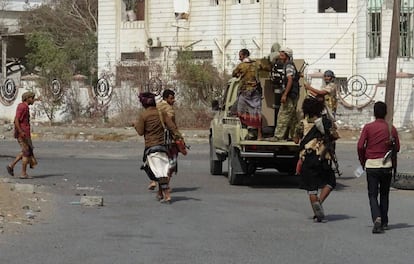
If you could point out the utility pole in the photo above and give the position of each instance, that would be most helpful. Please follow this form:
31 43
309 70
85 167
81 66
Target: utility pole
392 61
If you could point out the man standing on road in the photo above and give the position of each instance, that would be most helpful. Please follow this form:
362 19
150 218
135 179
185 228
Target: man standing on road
23 136
376 140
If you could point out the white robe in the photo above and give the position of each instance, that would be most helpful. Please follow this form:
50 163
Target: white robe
159 164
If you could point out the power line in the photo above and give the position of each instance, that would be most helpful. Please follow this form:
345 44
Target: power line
340 38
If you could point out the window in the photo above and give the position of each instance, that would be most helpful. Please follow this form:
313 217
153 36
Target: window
236 2
214 2
137 75
406 29
333 6
135 10
374 28
133 56
196 54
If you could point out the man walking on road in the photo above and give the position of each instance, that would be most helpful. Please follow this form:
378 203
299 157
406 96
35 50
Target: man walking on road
166 106
376 140
23 136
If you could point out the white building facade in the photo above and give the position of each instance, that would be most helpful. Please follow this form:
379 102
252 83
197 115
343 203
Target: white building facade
349 37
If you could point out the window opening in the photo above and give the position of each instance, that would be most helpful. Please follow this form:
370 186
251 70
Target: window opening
406 28
374 28
332 6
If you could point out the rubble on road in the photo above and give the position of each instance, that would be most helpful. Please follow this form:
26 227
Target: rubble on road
21 205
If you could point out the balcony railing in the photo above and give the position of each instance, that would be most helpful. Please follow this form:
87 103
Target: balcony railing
138 24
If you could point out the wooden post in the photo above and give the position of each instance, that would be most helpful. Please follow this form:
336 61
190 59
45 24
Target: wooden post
392 61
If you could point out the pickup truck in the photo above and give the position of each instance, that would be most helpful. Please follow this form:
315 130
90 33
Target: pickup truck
227 139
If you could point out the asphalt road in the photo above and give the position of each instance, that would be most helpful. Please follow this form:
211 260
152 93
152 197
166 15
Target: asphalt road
209 221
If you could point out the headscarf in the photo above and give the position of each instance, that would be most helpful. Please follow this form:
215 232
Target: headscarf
147 99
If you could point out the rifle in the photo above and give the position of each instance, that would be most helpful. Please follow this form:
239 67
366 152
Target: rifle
391 154
329 141
394 158
330 148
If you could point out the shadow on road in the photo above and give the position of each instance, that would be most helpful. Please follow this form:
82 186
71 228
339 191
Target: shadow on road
47 176
400 226
175 199
337 217
184 189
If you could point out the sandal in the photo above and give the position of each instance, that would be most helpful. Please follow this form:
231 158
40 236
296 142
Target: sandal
159 196
152 186
10 170
166 200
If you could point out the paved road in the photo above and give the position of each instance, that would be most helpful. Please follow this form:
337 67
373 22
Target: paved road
208 221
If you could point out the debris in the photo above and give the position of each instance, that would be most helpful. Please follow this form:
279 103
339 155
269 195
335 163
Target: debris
30 215
24 187
91 200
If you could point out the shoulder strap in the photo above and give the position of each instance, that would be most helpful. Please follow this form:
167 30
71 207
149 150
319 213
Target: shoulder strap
313 132
161 118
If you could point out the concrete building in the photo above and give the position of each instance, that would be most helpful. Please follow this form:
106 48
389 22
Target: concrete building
349 37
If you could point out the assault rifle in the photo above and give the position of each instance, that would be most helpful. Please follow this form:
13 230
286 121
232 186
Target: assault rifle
392 154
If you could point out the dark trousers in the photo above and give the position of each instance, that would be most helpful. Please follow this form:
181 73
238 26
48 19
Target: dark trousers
379 181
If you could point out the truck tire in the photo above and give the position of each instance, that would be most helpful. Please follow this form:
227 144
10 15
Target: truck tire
216 166
236 167
403 181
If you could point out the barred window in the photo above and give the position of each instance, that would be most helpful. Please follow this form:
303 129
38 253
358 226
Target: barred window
406 29
374 28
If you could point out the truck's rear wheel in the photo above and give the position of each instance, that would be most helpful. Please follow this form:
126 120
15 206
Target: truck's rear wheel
236 167
216 166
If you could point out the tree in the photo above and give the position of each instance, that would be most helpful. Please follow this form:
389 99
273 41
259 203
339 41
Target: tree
201 81
71 25
62 42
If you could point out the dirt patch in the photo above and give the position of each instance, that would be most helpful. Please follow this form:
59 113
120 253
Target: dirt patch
347 134
19 209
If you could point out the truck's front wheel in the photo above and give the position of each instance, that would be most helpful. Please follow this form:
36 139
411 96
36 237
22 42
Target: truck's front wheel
236 167
216 166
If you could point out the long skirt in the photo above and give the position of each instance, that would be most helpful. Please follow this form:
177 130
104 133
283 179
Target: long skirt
159 164
316 173
249 109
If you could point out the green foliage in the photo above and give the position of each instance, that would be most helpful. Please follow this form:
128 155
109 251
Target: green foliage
201 81
50 59
62 42
68 29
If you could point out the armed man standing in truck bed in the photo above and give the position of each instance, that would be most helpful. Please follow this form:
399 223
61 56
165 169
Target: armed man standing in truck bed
286 118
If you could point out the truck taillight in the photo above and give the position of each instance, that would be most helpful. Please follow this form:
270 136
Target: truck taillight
251 148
